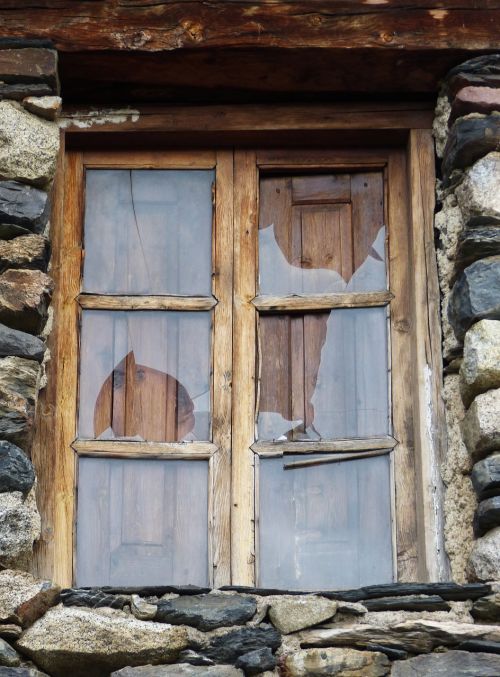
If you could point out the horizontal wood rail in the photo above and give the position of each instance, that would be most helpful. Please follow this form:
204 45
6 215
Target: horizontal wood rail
309 462
297 302
278 448
99 302
132 449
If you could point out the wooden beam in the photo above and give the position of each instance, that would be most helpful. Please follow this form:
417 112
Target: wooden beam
97 302
304 302
132 449
278 448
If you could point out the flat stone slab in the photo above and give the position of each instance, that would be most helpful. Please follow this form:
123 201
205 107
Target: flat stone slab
20 344
487 608
229 647
296 613
180 670
206 612
477 243
449 664
24 206
407 603
340 662
93 599
487 515
486 477
478 71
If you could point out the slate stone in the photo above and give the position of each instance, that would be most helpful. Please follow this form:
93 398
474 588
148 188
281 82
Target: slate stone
478 243
24 205
154 590
487 608
487 515
481 71
470 139
194 658
451 663
10 230
16 470
339 661
19 91
453 592
255 662
206 612
229 647
475 295
178 670
8 656
20 344
472 99
24 299
407 603
92 599
480 646
26 251
486 477
391 653
30 65
25 43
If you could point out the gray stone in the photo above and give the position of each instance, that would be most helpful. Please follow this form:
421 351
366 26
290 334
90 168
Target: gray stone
16 470
21 672
30 63
93 598
477 243
487 515
28 146
228 647
469 139
19 380
8 656
83 642
481 425
340 662
449 633
16 588
179 670
206 612
24 299
479 71
24 206
480 368
487 608
477 195
407 603
19 91
255 662
290 614
19 528
141 609
484 560
475 295
47 107
26 251
480 646
449 664
486 477
194 658
20 344
351 608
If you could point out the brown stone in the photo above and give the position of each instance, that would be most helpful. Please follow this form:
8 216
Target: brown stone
487 608
339 662
475 100
24 299
29 66
26 251
19 379
34 608
47 107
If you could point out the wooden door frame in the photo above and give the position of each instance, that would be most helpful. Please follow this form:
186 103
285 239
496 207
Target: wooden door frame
405 126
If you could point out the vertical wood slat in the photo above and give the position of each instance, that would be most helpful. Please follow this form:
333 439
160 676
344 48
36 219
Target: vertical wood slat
402 376
244 319
220 464
430 429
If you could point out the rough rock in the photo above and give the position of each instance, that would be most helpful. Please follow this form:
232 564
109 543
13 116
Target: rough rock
206 612
194 658
28 146
470 138
30 63
24 206
486 477
30 611
93 598
471 99
475 295
179 670
20 344
481 425
479 71
484 561
228 647
449 633
477 195
16 588
456 663
141 609
487 608
255 662
26 251
81 642
8 656
24 299
19 379
487 515
19 528
480 646
16 470
340 662
47 107
361 635
290 614
480 368
21 672
351 608
407 603
477 243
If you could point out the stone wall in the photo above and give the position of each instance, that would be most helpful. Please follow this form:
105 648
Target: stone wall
403 630
467 131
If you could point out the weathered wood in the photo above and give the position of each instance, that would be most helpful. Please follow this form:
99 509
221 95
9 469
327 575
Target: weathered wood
97 302
279 448
321 301
333 459
129 449
30 66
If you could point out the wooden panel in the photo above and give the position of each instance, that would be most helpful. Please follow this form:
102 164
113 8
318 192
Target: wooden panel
244 364
306 302
95 302
140 521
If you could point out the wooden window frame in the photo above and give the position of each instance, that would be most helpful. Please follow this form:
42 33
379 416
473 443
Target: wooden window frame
418 418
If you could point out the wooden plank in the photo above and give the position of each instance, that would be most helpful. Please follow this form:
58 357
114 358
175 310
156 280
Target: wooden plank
304 302
149 159
278 448
129 449
334 459
244 364
430 430
402 382
98 302
342 24
321 158
220 470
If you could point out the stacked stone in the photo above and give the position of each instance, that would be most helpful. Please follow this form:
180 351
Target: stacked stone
29 145
467 134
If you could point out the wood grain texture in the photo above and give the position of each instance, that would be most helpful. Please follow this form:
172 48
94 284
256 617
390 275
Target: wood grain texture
321 301
307 463
129 449
98 302
279 448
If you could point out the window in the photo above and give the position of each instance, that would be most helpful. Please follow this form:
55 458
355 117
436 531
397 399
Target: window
235 370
